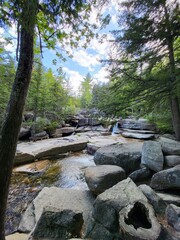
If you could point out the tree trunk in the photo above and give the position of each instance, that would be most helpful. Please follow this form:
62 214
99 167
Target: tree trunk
13 117
174 101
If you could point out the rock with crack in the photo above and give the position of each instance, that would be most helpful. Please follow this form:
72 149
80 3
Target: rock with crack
62 200
105 215
99 178
125 155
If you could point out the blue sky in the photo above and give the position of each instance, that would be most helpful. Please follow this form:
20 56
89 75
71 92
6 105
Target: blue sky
84 60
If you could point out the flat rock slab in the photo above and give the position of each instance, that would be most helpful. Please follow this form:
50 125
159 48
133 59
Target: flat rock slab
97 142
138 131
61 199
28 152
125 155
169 146
144 136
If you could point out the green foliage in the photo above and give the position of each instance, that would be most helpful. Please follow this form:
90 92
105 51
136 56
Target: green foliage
86 91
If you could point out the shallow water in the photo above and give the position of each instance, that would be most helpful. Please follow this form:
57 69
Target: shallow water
29 179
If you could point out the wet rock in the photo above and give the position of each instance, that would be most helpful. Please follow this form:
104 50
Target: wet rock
152 156
166 179
156 201
172 160
108 205
62 199
138 221
58 224
125 155
169 146
142 174
173 216
99 178
137 135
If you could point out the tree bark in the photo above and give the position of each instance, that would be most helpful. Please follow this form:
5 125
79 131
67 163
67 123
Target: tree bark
13 118
174 101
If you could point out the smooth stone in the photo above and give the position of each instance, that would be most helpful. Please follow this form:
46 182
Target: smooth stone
166 179
169 146
172 160
152 156
170 198
99 178
142 174
125 155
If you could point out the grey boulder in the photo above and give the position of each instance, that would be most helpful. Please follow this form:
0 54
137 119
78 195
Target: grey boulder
166 179
107 206
143 174
152 156
172 160
125 155
170 146
173 216
99 178
58 224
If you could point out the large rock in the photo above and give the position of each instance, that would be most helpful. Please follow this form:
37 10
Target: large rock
152 156
96 142
137 135
27 152
102 177
126 155
58 224
143 174
141 124
173 216
169 146
62 199
156 201
166 179
104 223
172 160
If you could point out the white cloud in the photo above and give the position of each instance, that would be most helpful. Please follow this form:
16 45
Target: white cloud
75 79
102 75
86 60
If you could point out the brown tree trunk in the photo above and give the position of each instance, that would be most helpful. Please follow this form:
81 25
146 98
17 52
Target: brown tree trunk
175 116
13 118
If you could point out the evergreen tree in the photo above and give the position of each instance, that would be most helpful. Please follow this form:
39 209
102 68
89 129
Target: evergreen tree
149 31
86 91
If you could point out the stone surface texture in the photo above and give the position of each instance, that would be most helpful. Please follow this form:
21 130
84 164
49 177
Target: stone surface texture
166 179
99 178
125 155
152 156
